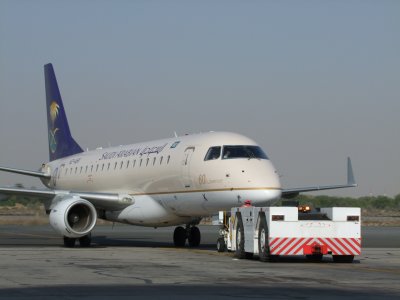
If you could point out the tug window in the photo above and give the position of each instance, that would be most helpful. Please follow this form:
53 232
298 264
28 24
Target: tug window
249 152
213 153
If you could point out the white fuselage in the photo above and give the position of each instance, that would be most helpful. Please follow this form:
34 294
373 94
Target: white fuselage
169 180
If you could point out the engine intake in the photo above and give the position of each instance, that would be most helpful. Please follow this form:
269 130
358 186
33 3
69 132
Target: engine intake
73 217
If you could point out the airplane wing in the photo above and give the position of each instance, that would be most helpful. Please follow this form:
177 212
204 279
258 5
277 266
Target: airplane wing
110 201
293 192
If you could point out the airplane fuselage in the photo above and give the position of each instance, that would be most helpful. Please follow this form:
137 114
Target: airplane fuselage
172 181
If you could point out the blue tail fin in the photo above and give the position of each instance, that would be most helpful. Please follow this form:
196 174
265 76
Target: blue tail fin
61 143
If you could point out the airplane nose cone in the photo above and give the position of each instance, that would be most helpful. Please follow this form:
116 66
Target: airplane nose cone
266 178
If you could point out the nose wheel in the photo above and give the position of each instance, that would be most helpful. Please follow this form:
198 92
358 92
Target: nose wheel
191 233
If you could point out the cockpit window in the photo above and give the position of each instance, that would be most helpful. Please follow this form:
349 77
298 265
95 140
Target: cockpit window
249 152
213 153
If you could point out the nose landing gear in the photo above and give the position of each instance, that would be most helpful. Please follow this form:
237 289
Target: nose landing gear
191 233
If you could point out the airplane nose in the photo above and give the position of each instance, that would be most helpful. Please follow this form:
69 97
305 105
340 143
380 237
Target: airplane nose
267 176
267 179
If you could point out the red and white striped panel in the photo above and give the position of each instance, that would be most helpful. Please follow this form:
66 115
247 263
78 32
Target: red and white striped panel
294 246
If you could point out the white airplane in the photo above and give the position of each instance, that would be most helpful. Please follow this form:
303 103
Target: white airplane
174 181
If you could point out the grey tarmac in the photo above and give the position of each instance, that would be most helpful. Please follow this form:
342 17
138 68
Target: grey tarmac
129 262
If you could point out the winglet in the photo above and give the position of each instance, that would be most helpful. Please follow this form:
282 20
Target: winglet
350 175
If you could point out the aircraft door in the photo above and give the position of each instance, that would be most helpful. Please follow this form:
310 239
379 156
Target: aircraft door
187 156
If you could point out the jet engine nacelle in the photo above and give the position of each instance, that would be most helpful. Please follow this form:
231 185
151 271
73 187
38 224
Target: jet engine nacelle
73 217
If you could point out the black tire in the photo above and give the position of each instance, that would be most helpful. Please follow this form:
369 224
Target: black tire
179 236
194 237
314 257
85 241
69 242
239 252
221 247
343 258
263 240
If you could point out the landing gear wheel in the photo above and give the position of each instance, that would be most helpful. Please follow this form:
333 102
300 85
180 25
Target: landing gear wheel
221 247
85 241
179 236
314 257
194 237
69 242
343 258
239 252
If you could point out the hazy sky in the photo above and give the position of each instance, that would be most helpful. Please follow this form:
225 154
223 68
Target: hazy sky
312 81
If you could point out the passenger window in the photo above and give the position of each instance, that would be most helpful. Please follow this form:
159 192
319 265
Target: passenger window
115 166
141 160
102 167
81 170
91 169
97 168
147 161
122 163
168 159
213 153
108 167
76 170
161 158
154 161
86 169
127 163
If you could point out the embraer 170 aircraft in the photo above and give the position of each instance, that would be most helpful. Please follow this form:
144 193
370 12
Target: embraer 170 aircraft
167 182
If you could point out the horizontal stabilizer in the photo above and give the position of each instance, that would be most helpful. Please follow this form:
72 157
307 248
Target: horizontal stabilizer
26 172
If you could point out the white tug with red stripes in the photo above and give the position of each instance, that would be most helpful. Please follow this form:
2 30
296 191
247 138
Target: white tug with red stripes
270 232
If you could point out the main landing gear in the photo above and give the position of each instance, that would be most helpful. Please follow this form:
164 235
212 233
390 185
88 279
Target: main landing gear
191 233
84 241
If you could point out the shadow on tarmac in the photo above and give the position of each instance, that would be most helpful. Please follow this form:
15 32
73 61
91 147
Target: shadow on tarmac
218 291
